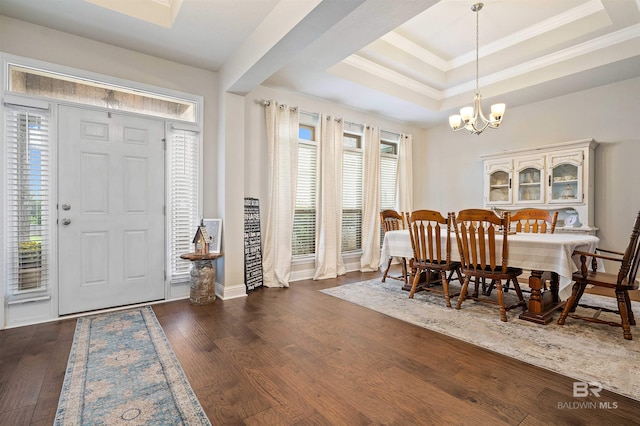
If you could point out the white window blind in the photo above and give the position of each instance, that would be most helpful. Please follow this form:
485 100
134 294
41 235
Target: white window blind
27 156
183 199
351 200
304 219
388 171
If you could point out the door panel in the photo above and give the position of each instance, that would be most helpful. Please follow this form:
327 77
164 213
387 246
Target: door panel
111 239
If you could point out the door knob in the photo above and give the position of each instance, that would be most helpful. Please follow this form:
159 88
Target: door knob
66 221
66 206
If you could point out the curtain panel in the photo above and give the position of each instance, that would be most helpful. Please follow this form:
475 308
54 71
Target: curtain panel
282 148
370 260
404 176
329 262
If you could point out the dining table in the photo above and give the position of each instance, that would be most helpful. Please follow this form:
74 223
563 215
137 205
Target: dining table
533 252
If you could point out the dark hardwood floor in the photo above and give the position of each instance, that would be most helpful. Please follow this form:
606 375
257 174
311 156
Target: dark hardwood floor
297 356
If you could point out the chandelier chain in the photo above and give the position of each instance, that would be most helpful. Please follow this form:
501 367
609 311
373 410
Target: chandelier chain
477 49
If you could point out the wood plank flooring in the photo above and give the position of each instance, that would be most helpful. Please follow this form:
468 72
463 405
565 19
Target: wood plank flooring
299 357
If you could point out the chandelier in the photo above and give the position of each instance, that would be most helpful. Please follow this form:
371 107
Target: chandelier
472 118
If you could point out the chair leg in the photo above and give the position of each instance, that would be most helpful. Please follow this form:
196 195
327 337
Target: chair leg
463 291
580 293
386 271
516 286
404 270
487 290
477 287
627 299
624 316
554 285
445 288
503 310
573 300
458 275
484 287
415 283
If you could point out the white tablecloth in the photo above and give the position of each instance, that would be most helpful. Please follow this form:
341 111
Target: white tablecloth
541 252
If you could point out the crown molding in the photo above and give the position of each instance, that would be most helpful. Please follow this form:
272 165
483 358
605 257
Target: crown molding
394 77
525 34
604 42
558 21
424 55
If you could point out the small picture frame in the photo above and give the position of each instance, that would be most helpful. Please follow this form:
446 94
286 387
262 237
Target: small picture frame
214 228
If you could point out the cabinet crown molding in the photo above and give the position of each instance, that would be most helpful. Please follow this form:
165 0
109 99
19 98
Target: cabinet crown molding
581 143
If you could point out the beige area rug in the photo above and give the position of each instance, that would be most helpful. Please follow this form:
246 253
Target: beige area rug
583 351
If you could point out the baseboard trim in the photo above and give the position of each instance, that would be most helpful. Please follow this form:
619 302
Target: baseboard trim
230 292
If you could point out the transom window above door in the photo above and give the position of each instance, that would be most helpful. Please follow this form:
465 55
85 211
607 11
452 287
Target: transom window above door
48 84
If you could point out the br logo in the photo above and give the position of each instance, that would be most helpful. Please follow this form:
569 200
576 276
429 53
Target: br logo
582 389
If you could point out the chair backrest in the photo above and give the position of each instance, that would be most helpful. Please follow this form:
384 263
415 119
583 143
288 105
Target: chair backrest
534 221
391 220
631 259
425 230
476 231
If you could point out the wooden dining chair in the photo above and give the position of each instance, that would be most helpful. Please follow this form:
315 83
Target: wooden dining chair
391 220
426 231
533 221
621 283
476 231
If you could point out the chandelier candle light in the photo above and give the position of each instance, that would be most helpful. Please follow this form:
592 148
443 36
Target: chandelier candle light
472 118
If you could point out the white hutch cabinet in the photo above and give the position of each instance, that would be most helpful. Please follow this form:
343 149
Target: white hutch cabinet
557 177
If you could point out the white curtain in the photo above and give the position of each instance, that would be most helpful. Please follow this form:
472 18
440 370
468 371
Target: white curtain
282 144
329 262
404 176
370 260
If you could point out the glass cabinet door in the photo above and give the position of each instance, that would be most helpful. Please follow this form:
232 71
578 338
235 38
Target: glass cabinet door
565 177
499 187
565 183
530 185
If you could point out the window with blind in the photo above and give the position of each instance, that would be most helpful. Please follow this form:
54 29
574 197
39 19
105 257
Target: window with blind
388 170
352 193
304 219
183 149
27 155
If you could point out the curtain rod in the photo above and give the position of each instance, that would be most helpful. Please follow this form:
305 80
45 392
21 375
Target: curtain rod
315 114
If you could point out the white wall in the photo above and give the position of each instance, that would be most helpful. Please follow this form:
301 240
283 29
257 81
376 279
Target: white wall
36 42
609 114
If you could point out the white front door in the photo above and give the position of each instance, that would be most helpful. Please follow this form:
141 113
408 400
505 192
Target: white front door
110 209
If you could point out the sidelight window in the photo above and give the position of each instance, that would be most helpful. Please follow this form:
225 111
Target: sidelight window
27 156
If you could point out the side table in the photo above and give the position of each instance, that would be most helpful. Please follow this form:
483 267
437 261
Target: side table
203 277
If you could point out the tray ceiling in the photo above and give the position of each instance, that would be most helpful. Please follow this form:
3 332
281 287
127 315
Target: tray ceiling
408 60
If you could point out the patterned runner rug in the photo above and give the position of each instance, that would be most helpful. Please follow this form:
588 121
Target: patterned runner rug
583 351
122 370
